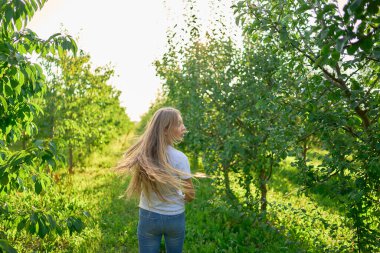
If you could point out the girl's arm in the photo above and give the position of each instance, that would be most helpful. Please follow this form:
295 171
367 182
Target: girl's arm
189 192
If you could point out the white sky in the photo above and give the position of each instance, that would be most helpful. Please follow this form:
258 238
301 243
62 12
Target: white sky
129 34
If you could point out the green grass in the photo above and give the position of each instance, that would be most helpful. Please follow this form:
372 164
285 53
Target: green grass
296 222
311 218
320 226
212 225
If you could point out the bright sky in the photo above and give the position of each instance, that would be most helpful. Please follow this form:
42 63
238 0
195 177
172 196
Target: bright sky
130 35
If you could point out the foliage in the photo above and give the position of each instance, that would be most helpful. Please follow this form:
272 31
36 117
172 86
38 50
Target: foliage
340 94
42 118
23 169
81 111
70 197
235 107
306 77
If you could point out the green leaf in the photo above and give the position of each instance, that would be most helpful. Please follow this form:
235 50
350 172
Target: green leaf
37 187
52 147
21 225
366 44
355 5
355 121
259 104
86 213
8 15
376 53
304 7
52 163
4 103
323 34
43 230
325 51
66 45
20 183
329 8
52 50
53 36
60 52
74 45
40 3
341 43
19 24
351 49
335 55
39 144
4 180
34 5
28 130
38 69
4 245
283 33
52 222
78 224
33 223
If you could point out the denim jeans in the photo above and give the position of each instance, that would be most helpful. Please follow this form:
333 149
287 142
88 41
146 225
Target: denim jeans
152 226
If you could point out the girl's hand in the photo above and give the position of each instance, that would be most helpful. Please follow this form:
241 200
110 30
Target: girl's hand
189 190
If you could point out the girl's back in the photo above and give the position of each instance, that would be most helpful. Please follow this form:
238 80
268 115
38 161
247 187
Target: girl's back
174 203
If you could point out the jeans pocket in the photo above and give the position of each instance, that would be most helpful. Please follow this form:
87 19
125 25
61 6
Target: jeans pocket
175 224
149 215
149 226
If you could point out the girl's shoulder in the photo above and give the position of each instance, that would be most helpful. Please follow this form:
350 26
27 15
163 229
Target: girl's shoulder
175 154
178 160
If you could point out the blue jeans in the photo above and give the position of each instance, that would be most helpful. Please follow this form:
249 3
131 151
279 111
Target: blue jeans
152 226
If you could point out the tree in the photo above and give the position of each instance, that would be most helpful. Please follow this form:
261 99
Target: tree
82 111
339 97
307 76
231 103
21 81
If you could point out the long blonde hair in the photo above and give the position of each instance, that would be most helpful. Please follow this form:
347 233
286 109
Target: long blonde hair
147 159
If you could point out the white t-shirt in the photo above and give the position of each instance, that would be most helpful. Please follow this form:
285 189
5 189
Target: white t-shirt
176 202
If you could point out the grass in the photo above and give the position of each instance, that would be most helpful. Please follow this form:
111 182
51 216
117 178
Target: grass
212 225
297 223
316 222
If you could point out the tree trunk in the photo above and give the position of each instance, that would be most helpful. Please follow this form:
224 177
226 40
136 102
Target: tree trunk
263 190
52 128
226 180
23 141
194 162
71 170
305 148
88 148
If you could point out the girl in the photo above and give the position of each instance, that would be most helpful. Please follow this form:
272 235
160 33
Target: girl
161 176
